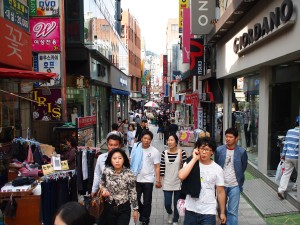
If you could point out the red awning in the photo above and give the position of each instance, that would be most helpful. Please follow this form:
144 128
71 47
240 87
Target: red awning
25 74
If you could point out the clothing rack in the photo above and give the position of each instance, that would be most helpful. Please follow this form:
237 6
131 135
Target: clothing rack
57 175
24 140
88 148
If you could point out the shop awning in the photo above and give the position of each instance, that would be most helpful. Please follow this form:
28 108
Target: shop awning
137 99
119 92
25 74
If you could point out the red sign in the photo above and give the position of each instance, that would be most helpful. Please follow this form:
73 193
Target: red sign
193 99
86 121
165 65
15 45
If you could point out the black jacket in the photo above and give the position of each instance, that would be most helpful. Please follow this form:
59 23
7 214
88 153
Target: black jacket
192 185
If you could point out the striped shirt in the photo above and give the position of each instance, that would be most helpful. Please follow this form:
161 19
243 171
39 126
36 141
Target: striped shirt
171 158
291 144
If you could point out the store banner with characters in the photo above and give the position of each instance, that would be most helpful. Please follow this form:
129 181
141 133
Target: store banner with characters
48 63
193 99
47 105
45 34
44 7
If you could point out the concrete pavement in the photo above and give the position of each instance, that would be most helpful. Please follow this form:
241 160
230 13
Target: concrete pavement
247 215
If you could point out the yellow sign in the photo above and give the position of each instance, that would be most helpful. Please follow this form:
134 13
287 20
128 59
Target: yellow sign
47 169
182 4
64 165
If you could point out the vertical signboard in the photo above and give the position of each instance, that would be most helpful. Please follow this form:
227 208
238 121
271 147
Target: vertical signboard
186 12
48 63
16 12
15 45
182 4
165 73
200 117
202 13
44 7
47 107
45 34
193 99
196 57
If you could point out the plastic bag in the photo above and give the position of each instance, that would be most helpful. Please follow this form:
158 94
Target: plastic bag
181 207
279 171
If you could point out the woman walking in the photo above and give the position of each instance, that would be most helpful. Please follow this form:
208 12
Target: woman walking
119 189
172 160
130 137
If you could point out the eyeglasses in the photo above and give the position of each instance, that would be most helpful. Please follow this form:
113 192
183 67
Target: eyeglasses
204 149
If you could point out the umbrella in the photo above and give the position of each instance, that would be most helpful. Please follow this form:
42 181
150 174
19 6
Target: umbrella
151 104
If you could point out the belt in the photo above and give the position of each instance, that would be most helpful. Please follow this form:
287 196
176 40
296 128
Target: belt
117 208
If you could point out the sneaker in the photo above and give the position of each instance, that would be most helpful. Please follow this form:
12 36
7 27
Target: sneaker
170 218
175 223
280 195
294 188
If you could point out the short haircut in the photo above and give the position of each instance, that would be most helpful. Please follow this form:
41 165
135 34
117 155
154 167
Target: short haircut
175 137
206 141
144 121
114 126
132 125
233 131
74 213
114 137
147 132
122 152
172 120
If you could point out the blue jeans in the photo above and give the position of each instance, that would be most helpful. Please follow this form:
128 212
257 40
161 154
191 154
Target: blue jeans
144 189
192 218
168 203
233 201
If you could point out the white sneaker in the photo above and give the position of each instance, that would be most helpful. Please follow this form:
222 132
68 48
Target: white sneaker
175 223
294 188
170 218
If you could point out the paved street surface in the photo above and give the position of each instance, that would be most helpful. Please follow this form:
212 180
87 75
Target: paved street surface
247 215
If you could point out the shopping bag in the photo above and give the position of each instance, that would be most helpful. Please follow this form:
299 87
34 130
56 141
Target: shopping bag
279 171
181 207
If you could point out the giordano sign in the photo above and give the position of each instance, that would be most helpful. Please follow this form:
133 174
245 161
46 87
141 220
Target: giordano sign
281 15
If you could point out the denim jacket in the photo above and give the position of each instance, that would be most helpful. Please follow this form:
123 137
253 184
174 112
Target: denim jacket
240 162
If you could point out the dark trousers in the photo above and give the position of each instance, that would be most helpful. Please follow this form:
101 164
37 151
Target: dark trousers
144 189
118 215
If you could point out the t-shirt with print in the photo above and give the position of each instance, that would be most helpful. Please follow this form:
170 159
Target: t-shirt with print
151 156
211 176
229 172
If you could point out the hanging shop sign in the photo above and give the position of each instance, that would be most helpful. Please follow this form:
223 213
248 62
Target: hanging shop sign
16 12
280 16
86 121
197 57
186 36
44 7
15 45
193 99
45 34
48 106
182 5
202 13
49 63
165 73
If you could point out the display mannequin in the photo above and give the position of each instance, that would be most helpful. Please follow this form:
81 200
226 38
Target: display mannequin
74 114
247 124
239 124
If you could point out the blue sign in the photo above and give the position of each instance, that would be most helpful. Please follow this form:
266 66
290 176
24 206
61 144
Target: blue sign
16 12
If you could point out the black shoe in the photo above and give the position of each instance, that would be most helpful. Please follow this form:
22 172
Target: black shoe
280 195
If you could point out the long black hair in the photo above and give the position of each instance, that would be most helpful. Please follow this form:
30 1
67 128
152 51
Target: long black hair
122 152
73 213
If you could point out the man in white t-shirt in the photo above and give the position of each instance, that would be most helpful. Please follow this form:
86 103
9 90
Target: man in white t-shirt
201 178
147 176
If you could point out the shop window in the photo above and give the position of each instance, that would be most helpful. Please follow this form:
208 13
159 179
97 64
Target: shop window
245 112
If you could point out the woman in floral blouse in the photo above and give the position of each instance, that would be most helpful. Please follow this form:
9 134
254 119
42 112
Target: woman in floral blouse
118 184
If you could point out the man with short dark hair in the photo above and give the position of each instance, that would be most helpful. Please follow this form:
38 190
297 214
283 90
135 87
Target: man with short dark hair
173 128
139 129
234 160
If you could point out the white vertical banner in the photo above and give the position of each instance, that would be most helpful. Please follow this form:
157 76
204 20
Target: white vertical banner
200 118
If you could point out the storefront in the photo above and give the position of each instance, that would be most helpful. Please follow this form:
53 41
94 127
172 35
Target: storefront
260 64
120 92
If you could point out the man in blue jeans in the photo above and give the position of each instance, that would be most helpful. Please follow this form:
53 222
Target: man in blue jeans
234 160
148 173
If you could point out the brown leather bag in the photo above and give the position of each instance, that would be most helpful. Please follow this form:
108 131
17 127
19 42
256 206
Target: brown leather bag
97 204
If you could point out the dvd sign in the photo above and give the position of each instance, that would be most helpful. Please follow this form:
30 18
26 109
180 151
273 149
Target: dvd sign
44 7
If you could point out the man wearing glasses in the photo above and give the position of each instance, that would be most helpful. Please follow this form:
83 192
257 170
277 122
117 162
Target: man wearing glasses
201 177
234 160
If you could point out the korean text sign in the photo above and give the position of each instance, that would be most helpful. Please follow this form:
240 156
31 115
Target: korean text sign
15 45
45 34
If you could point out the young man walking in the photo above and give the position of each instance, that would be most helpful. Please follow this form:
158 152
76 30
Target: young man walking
145 161
234 160
201 178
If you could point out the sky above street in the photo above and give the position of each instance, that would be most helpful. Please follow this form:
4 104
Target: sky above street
152 17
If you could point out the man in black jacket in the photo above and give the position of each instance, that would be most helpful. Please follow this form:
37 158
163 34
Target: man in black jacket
139 129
